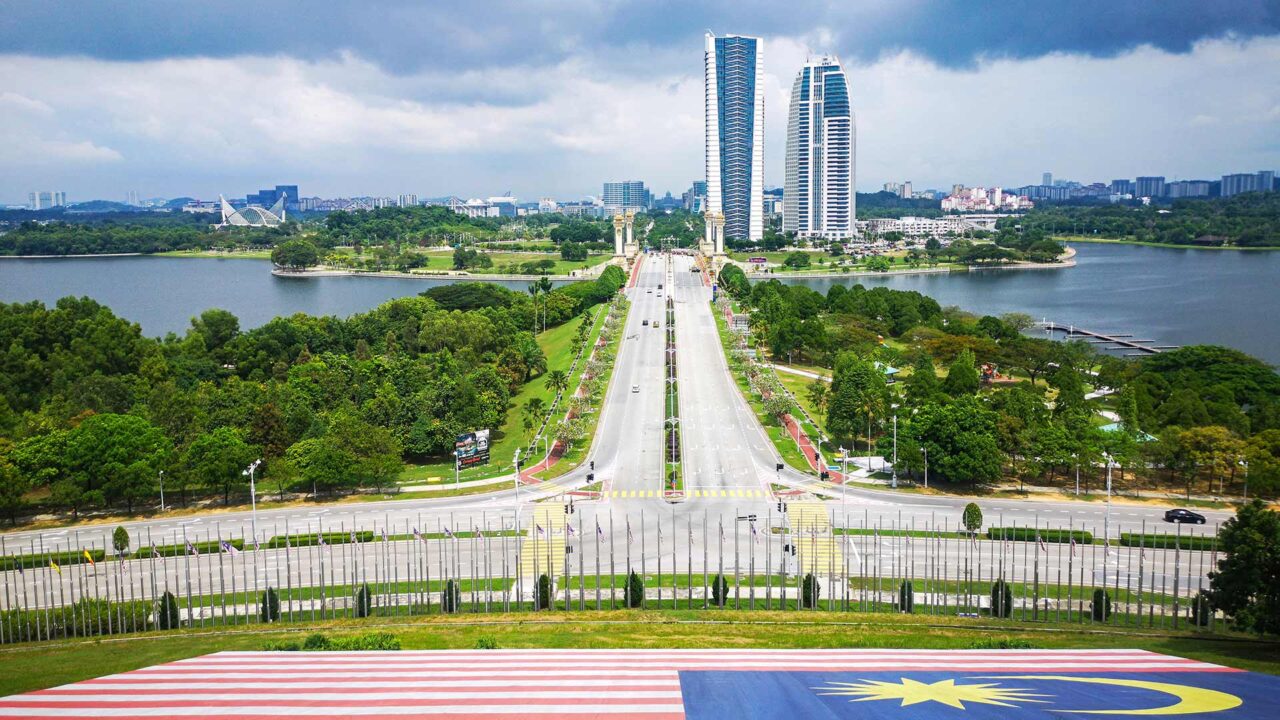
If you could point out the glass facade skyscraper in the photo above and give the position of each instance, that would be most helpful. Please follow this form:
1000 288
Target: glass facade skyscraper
818 192
734 139
625 195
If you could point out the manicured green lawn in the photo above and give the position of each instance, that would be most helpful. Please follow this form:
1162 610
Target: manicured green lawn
43 665
506 262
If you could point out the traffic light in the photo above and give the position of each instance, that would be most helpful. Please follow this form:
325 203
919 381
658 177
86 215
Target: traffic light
593 464
566 508
824 475
591 477
815 456
778 467
779 506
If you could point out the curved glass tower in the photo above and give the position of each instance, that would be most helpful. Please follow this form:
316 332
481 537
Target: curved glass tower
818 193
735 140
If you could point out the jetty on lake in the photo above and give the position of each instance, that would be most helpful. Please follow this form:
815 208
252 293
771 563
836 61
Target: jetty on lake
1109 341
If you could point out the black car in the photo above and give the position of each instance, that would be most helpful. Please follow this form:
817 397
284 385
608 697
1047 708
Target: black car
1182 515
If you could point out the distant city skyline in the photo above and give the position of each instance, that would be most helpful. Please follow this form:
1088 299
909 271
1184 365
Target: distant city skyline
103 100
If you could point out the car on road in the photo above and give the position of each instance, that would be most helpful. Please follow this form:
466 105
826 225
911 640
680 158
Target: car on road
650 291
645 323
1183 515
635 388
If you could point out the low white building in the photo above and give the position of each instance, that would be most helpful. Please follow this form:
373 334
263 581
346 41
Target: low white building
916 226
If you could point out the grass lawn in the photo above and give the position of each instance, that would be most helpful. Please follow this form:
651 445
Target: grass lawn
578 452
43 665
508 262
791 454
557 344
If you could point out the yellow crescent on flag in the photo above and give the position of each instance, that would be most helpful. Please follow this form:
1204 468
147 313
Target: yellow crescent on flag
89 557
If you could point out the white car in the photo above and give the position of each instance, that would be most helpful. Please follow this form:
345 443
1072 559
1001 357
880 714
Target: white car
635 388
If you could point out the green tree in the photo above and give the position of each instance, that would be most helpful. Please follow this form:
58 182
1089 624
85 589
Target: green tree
269 606
1001 599
635 590
961 439
922 385
167 615
120 540
719 590
962 377
858 395
217 460
972 517
13 483
364 601
557 381
573 252
297 254
321 464
117 458
1246 584
797 259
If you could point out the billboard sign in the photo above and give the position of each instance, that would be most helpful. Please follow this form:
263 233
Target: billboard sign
472 448
758 260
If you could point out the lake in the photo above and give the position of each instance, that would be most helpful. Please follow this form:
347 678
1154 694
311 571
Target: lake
1171 296
162 294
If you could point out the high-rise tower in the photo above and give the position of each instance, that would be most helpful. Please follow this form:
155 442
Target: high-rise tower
818 197
735 140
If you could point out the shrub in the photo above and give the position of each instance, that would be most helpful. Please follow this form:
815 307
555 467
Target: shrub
972 517
451 600
542 593
317 641
167 616
84 618
1100 608
1048 535
1169 542
308 539
1201 609
486 642
809 591
120 540
364 601
179 549
635 590
320 642
906 597
281 646
269 606
719 590
1001 599
41 560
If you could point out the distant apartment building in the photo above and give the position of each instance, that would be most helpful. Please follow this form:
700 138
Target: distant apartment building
917 227
1151 186
979 199
267 198
202 206
1046 179
818 194
773 202
45 199
1261 181
408 200
625 195
1122 187
1188 188
1044 192
734 123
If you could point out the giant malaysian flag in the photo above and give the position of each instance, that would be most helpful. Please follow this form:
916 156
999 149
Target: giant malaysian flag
736 684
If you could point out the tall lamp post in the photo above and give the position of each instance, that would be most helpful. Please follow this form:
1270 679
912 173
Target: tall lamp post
894 482
926 466
253 495
1106 519
162 490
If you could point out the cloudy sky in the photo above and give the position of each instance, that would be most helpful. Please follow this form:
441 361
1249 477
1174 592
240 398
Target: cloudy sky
538 97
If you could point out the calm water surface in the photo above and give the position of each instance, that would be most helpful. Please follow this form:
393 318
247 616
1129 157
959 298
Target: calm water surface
162 294
1172 296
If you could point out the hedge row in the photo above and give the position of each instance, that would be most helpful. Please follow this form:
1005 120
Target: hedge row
308 539
204 548
84 618
40 560
1083 537
1169 542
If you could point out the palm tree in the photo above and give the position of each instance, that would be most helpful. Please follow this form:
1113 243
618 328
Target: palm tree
534 289
544 285
557 381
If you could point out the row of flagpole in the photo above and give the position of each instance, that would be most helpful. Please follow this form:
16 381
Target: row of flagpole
411 567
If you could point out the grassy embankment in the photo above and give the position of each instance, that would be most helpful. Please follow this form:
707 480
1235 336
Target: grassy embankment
43 665
1128 240
578 452
773 428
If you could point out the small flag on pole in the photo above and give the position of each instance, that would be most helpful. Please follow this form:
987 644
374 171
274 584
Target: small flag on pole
191 549
320 540
1040 542
541 532
629 538
230 549
599 532
448 533
568 530
354 538
1073 546
89 557
754 535
417 535
54 565
384 534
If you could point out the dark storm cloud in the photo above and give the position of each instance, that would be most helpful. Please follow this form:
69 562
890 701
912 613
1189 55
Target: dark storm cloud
407 37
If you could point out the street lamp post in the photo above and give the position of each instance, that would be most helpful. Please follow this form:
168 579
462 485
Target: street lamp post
1106 519
162 490
894 482
1076 458
253 495
926 466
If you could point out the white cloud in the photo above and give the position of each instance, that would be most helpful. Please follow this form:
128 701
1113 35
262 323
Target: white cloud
342 126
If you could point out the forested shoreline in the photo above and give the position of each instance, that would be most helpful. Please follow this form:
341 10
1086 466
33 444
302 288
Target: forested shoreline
91 411
988 403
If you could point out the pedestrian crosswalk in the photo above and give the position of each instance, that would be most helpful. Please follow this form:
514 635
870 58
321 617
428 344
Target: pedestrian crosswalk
817 551
700 493
543 546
